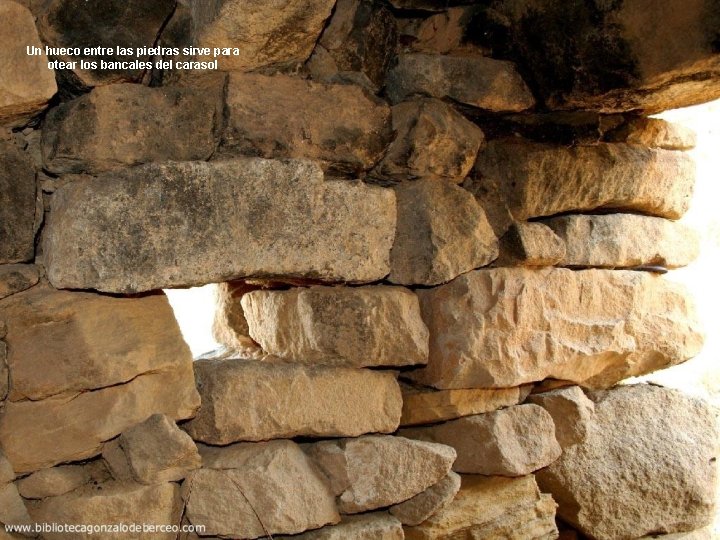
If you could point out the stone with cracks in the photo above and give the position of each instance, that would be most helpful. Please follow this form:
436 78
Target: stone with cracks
625 241
504 327
339 125
26 84
255 401
423 505
512 509
537 179
17 204
252 490
510 442
230 327
12 507
59 480
571 411
442 232
432 140
378 471
650 451
372 526
15 278
654 133
339 326
216 221
128 124
530 244
471 79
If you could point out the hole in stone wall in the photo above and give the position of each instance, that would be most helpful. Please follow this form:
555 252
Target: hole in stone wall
194 310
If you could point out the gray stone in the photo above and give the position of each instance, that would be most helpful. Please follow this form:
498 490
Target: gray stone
17 204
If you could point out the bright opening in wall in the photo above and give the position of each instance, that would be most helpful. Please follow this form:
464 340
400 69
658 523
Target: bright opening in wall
195 310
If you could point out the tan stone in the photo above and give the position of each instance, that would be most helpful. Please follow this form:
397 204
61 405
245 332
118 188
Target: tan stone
12 508
254 401
423 505
128 124
512 509
591 327
230 327
376 471
341 126
427 406
255 217
62 479
651 452
571 410
7 474
441 232
339 326
26 83
530 244
158 451
474 80
625 241
252 490
440 33
116 461
654 133
17 202
15 278
372 526
432 140
539 179
510 442
111 503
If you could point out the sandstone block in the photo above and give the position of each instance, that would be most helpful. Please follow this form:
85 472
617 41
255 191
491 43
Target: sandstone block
128 124
216 221
17 198
59 480
512 508
510 442
474 80
440 33
341 126
7 474
442 232
12 508
571 410
592 327
230 327
26 84
377 471
625 241
255 401
538 179
252 490
372 526
432 140
654 133
15 278
423 505
339 326
662 477
423 405
530 244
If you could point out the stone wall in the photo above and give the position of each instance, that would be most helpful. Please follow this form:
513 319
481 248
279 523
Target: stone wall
439 230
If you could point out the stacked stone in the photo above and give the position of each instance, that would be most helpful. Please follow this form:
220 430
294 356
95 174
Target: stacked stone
425 318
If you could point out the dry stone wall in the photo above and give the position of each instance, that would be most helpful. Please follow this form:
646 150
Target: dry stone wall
438 231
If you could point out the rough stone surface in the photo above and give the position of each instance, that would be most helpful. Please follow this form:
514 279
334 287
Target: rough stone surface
339 326
111 503
510 442
474 80
530 244
372 526
571 411
230 327
112 24
378 471
427 406
539 179
17 203
341 126
128 124
654 133
15 278
617 64
59 480
255 401
442 232
251 490
441 33
12 508
158 451
423 505
7 474
216 221
650 451
625 241
554 323
432 140
26 84
512 509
